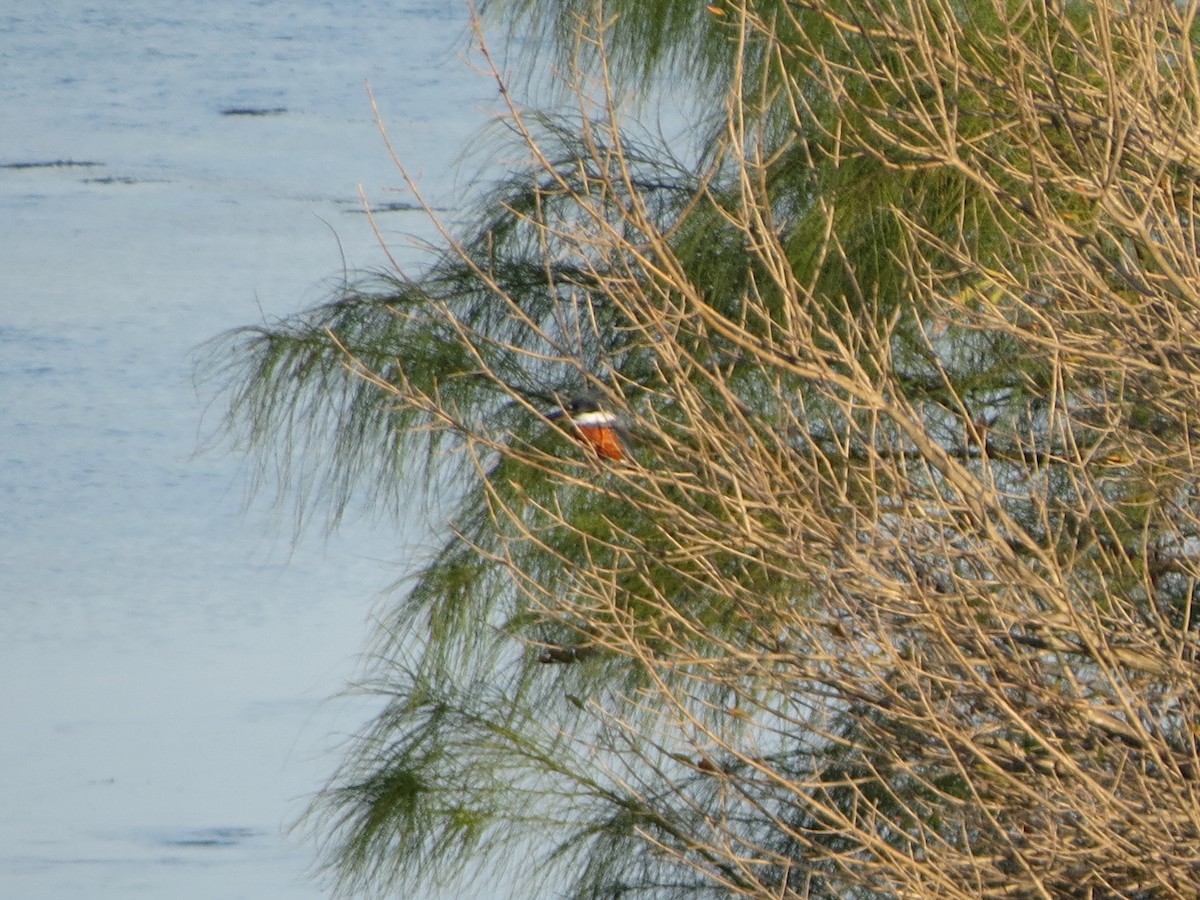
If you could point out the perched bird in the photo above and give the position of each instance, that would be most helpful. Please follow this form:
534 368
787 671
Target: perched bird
595 427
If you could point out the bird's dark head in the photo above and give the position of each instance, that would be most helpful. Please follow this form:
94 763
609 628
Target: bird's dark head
576 406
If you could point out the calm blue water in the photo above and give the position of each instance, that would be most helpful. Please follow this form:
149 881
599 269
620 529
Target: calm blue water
166 655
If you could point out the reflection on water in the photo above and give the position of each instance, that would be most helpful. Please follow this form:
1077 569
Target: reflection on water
167 655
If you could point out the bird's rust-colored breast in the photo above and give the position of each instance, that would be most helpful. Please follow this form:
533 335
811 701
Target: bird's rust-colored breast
604 439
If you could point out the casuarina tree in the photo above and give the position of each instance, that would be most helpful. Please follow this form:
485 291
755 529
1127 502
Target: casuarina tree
889 591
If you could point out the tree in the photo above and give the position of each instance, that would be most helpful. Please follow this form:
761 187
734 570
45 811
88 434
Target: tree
894 596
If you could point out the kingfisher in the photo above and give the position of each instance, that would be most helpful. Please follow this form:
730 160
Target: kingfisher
595 427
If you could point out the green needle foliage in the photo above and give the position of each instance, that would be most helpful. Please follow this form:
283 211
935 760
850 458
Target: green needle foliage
893 594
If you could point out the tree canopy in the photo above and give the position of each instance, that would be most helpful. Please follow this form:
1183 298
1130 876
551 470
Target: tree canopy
894 595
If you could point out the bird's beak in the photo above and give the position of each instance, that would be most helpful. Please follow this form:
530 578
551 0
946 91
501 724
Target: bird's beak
556 413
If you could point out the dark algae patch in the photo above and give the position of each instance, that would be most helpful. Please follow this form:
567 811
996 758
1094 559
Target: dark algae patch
213 837
52 164
253 111
397 206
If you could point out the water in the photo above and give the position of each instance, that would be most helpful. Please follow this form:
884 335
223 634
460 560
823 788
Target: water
167 655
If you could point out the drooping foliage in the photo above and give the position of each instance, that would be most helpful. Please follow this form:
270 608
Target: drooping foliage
894 595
